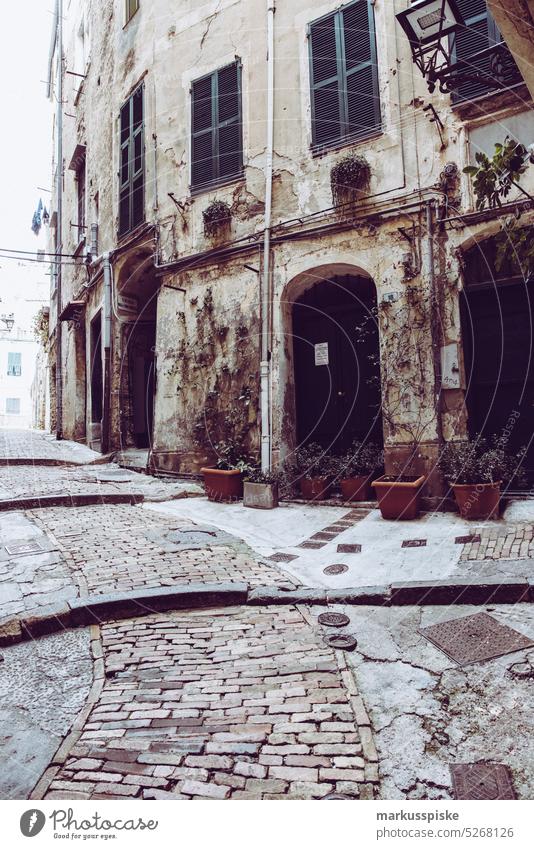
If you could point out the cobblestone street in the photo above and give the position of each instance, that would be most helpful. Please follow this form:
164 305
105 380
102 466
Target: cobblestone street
203 696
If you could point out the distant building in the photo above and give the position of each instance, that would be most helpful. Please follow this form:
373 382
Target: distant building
18 352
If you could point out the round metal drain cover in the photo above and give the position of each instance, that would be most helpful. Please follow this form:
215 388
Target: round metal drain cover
521 670
336 569
338 796
333 620
345 642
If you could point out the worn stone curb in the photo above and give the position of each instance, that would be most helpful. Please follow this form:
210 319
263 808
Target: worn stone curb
55 461
74 500
95 609
70 740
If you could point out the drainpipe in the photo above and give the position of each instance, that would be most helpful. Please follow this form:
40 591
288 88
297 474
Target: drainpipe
106 342
265 364
59 230
435 327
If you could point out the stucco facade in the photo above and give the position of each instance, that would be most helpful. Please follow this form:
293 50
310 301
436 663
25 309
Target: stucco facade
184 308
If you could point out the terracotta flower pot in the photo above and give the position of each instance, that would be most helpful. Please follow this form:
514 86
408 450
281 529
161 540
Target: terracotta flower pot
478 500
263 496
357 488
315 488
398 499
223 484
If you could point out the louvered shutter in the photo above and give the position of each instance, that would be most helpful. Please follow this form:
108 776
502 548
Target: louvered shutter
345 97
479 33
217 135
132 164
362 97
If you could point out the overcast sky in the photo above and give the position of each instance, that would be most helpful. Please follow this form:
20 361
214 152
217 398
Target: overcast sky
25 145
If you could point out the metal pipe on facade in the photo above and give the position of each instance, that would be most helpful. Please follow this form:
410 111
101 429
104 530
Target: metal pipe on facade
435 321
265 363
59 229
106 343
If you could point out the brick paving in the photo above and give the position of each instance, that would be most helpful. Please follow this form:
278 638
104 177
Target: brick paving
233 704
514 542
122 547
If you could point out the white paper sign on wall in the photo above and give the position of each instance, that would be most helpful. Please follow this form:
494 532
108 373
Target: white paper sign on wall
321 354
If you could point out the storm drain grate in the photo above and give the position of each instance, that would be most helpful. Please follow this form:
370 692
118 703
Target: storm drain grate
349 548
482 781
25 548
336 569
324 535
467 539
475 638
413 543
280 557
333 620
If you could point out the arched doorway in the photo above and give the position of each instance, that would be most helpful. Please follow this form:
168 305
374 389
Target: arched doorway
497 314
337 363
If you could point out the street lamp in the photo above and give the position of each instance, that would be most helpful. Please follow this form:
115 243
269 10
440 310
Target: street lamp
430 25
9 321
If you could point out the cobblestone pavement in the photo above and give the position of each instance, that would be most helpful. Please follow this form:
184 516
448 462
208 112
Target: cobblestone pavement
122 547
35 445
514 542
233 704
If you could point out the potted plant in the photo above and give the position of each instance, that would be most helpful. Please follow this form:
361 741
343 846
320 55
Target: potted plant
314 471
356 469
224 480
260 489
476 472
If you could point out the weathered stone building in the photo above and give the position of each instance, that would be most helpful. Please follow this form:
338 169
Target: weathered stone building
263 219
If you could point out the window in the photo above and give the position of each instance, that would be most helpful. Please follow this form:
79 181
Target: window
14 364
13 406
131 8
480 33
217 154
132 164
344 75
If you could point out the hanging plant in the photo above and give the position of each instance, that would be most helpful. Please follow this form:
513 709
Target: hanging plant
348 177
217 217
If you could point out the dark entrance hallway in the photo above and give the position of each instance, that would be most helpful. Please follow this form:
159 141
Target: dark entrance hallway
141 368
497 330
336 357
96 382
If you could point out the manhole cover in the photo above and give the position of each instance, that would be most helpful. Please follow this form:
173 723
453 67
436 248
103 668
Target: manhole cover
349 548
475 638
280 557
482 781
336 569
333 620
339 796
345 642
25 548
414 543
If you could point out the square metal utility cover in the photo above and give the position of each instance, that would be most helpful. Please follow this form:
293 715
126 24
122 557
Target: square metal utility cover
349 548
280 557
482 781
465 540
475 638
25 548
311 544
414 543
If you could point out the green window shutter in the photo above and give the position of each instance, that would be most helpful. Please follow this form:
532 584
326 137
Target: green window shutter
344 75
216 127
132 164
479 33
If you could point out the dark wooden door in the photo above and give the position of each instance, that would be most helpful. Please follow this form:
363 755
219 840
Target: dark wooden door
497 329
337 377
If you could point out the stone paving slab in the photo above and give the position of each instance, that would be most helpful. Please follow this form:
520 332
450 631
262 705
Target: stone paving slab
234 704
35 445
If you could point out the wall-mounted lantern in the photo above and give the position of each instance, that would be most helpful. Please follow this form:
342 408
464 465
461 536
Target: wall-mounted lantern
431 26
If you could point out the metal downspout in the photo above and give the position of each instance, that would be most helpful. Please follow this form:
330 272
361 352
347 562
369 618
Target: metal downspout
435 322
106 343
265 364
